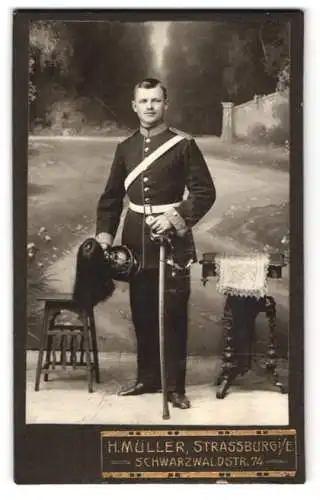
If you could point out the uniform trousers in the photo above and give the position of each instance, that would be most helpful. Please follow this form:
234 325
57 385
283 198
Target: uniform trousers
144 294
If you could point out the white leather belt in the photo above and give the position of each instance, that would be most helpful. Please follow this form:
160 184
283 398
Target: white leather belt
152 209
149 160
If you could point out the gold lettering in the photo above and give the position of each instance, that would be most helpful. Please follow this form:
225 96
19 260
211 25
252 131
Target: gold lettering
180 447
149 447
168 446
197 446
247 446
197 462
113 447
240 446
243 462
273 446
163 461
214 446
223 446
139 446
126 447
256 446
231 447
290 447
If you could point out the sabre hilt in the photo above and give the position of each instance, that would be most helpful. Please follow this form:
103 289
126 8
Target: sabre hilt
159 238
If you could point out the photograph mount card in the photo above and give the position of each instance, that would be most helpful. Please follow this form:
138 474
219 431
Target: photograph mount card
158 246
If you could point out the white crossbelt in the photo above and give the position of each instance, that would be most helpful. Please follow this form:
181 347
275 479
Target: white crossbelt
152 209
150 159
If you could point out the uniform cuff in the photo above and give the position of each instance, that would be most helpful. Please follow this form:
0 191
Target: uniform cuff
177 221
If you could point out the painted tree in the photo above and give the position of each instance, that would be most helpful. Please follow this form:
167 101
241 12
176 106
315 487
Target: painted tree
229 59
274 36
97 60
109 57
49 47
193 72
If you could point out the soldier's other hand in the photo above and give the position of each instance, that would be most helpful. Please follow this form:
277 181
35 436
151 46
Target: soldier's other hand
161 224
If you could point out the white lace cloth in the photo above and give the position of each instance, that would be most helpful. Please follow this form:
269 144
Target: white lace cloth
244 276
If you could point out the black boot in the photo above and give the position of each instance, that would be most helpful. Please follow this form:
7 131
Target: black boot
137 389
179 400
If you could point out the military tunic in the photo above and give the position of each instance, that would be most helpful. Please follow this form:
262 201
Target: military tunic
181 170
164 182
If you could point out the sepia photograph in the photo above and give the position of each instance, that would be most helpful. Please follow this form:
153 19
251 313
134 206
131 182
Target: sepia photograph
158 243
158 222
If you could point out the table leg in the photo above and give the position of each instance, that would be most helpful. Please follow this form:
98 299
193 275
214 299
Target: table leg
239 326
271 363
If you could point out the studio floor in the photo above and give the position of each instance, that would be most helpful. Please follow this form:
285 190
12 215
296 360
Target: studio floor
65 399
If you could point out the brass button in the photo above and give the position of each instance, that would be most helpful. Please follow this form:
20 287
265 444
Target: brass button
146 189
145 179
148 139
146 150
147 200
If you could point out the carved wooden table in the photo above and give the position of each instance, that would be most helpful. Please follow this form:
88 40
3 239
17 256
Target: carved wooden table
239 317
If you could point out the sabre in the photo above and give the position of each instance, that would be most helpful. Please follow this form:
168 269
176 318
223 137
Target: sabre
162 240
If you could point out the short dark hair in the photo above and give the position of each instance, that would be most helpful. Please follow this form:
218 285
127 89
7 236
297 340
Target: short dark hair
150 83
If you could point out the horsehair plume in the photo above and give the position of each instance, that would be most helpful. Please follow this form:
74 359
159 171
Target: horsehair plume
93 280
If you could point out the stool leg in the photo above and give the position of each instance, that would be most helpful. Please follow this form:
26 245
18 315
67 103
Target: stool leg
43 341
47 361
81 350
94 346
63 352
86 339
55 340
73 352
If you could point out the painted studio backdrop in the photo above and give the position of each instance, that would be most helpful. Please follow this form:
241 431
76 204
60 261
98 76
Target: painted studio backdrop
228 86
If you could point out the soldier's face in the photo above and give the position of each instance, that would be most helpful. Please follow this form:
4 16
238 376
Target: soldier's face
150 106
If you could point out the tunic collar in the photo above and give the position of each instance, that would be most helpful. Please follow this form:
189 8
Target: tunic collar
150 132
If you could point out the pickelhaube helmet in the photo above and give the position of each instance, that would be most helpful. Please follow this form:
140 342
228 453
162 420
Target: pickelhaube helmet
122 261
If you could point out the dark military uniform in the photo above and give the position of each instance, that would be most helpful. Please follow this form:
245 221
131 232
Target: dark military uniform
163 183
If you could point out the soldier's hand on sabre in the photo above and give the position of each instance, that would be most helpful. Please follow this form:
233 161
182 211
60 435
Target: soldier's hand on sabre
160 224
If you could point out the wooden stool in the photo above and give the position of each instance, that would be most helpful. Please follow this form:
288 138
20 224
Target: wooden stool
82 339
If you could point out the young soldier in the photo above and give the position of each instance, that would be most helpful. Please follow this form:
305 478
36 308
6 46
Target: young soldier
157 191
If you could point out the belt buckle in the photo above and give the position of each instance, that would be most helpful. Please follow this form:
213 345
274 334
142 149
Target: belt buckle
148 209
